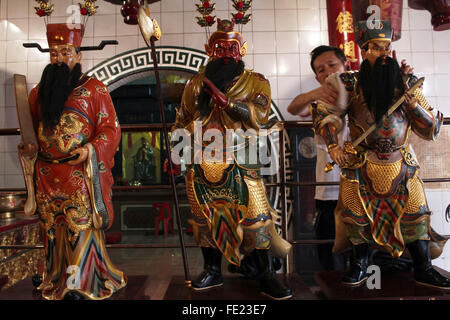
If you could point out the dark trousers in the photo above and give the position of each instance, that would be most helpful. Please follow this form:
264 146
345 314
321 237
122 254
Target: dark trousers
325 229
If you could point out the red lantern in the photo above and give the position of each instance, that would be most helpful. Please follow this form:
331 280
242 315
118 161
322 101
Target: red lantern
209 19
129 11
206 4
240 4
83 11
239 16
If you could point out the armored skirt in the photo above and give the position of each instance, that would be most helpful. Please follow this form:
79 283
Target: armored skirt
384 204
226 199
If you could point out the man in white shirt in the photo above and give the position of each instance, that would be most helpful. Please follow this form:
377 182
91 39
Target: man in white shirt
325 60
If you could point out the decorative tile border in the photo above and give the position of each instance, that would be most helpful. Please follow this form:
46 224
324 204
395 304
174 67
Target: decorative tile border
140 60
130 63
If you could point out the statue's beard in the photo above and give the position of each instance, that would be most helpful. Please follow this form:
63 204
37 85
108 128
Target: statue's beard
57 82
221 75
379 84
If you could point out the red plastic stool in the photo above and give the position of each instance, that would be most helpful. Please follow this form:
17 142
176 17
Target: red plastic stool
113 237
159 216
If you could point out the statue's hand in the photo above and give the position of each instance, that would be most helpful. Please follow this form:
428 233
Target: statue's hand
28 150
82 156
339 156
410 101
404 66
218 96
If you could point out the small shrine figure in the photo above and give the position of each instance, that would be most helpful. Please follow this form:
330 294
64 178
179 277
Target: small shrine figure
144 167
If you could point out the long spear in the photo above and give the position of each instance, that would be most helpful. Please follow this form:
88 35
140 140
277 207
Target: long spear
151 33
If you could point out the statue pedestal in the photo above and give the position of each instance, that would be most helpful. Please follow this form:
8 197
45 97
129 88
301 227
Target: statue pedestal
236 287
398 286
24 290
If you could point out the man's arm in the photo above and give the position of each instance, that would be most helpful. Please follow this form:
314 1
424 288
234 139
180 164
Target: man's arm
299 105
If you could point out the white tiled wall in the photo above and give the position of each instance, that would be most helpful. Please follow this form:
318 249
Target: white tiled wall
280 36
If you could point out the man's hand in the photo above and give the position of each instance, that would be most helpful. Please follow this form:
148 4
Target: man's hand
82 156
338 155
29 150
219 98
326 93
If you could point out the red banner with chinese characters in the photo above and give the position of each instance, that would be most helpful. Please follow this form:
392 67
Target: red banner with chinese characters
341 30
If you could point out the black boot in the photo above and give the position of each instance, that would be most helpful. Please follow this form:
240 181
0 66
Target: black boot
357 272
36 279
211 276
424 273
270 285
248 268
73 295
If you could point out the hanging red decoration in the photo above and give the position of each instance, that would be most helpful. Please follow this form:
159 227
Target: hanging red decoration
45 8
241 7
41 12
205 9
88 8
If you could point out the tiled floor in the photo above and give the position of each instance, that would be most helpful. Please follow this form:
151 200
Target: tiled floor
159 274
164 266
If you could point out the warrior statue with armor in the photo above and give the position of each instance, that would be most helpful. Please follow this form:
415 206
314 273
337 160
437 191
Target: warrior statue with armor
232 215
381 197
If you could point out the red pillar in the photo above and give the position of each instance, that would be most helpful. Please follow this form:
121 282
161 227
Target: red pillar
341 29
